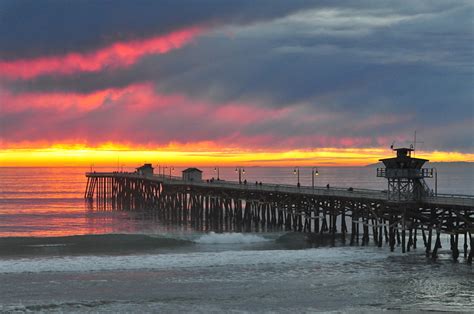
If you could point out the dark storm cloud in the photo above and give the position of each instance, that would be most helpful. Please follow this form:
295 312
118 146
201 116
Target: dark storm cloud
337 59
364 69
42 27
35 28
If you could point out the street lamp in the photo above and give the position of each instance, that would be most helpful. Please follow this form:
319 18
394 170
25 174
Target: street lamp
297 172
436 181
171 169
217 169
314 172
241 171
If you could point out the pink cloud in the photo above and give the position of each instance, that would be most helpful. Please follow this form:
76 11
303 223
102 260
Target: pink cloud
140 115
139 95
117 55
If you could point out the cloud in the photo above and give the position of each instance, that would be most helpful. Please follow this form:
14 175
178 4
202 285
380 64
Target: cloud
389 65
73 103
30 28
139 115
117 55
318 74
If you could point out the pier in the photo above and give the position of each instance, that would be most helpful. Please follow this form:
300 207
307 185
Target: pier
394 218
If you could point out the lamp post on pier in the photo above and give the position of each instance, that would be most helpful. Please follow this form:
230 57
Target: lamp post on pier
241 171
216 169
436 181
171 169
297 172
314 172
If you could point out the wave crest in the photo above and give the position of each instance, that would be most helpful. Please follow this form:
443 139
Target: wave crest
230 238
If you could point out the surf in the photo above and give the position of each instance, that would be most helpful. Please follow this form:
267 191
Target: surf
103 244
87 244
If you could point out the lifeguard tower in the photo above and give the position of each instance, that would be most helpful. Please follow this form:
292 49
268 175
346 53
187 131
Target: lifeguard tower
405 175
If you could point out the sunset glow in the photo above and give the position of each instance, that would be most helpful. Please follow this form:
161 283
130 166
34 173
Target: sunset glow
204 154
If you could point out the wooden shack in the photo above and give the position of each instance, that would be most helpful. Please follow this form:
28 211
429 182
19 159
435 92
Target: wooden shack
145 170
192 174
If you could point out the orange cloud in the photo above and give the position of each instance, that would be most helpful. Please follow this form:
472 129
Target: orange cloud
57 100
140 116
117 55
142 121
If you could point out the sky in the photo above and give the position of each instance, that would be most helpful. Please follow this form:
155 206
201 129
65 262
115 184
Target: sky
250 82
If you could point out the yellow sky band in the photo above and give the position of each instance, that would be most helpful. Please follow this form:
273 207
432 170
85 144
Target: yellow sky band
110 156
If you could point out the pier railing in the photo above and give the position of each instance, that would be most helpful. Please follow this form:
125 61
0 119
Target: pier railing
267 187
442 199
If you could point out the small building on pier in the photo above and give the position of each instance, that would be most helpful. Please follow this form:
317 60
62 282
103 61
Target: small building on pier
192 174
145 170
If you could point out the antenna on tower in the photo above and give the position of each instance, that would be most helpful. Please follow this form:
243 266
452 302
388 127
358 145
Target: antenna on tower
414 144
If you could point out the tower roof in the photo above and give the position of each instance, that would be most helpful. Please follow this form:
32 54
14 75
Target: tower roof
403 160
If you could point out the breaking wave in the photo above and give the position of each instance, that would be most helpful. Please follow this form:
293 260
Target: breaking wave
230 238
118 243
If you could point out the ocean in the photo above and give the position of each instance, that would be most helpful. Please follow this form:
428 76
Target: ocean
57 254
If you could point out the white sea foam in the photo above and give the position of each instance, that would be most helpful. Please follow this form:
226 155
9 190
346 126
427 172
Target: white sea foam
46 245
230 238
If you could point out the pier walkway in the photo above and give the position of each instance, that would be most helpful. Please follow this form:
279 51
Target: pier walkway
368 194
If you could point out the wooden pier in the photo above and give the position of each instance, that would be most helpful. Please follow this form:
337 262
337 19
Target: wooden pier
357 215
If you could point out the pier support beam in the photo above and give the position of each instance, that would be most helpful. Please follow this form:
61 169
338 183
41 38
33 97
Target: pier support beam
437 246
471 252
454 246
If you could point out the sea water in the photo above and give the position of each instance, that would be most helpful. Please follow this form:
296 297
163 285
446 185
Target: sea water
57 254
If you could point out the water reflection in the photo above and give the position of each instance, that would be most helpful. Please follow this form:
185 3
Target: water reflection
49 201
